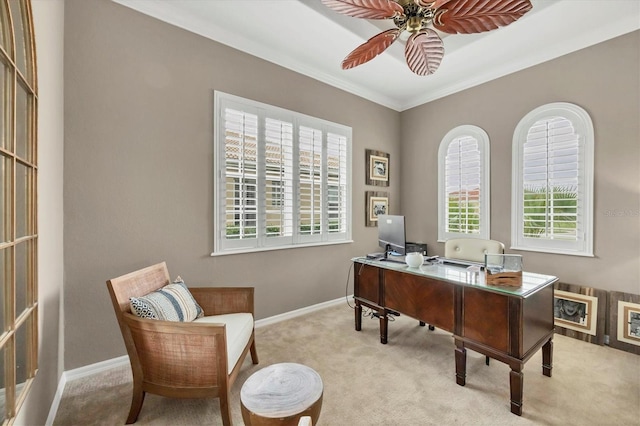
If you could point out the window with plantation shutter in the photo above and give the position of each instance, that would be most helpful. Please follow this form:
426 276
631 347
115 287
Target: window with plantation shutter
553 181
463 184
282 178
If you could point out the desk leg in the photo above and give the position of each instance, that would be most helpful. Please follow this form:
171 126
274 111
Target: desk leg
384 326
516 382
461 364
358 314
547 358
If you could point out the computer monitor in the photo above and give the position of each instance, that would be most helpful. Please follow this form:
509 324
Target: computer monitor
391 233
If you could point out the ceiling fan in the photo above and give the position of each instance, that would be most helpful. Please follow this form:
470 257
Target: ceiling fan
424 48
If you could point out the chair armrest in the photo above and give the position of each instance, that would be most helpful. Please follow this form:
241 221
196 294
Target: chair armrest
224 300
161 356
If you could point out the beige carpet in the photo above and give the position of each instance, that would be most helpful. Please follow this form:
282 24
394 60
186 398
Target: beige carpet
409 381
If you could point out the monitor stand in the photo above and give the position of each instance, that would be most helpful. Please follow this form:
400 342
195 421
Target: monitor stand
387 250
388 258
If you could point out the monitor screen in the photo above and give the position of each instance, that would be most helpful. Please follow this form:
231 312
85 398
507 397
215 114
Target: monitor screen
391 233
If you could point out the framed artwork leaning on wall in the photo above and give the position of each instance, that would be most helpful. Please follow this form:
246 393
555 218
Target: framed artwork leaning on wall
580 312
624 321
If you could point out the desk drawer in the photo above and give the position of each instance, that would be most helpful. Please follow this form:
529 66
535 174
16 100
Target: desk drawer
421 298
366 281
486 318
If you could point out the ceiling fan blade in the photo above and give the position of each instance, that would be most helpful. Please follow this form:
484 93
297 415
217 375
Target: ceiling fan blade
424 52
425 3
477 16
367 9
370 49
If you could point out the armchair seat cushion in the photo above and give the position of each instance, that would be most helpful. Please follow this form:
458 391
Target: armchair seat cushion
238 331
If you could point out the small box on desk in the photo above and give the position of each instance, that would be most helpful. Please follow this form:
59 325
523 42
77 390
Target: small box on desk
503 269
416 247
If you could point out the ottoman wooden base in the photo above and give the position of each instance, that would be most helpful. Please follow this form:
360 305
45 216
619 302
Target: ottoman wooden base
278 395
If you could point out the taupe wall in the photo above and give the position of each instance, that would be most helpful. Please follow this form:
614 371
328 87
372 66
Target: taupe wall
138 168
604 80
138 164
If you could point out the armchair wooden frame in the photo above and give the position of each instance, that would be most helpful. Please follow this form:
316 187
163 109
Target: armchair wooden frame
159 363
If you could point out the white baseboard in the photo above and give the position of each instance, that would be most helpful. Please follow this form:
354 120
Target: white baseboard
78 373
56 401
89 370
298 312
98 367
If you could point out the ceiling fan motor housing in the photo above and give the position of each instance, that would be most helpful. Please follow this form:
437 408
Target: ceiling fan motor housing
415 17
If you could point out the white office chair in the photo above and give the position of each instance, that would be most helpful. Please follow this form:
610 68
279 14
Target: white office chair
472 249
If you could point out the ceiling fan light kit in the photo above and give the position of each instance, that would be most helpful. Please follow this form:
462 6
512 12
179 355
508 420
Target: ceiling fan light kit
415 21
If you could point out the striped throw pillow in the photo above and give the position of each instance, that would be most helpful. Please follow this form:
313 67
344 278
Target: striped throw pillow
173 302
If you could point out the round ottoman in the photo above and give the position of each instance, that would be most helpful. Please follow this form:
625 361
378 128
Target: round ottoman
280 394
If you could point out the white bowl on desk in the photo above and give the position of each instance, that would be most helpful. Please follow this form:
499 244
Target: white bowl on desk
414 259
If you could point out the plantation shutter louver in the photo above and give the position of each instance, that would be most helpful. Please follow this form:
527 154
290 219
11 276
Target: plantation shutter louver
463 186
279 178
310 187
464 201
337 183
241 174
552 181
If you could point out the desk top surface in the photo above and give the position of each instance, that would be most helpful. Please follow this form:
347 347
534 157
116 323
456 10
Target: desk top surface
531 282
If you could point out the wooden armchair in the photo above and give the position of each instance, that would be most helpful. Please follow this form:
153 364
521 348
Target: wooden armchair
199 359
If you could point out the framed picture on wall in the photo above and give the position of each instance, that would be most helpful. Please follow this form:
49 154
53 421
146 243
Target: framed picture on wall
376 203
377 163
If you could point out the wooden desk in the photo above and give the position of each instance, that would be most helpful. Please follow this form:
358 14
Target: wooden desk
508 324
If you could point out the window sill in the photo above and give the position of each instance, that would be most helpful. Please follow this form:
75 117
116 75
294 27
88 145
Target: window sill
552 251
287 247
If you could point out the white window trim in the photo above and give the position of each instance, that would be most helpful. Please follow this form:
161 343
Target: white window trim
222 100
485 195
584 128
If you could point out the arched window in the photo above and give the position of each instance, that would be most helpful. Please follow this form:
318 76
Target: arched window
463 184
18 227
552 184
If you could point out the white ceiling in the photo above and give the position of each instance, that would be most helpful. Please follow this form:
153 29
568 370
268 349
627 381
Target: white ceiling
307 37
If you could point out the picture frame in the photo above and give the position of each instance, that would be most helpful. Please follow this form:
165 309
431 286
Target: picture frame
580 312
376 203
574 311
377 164
624 312
629 322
